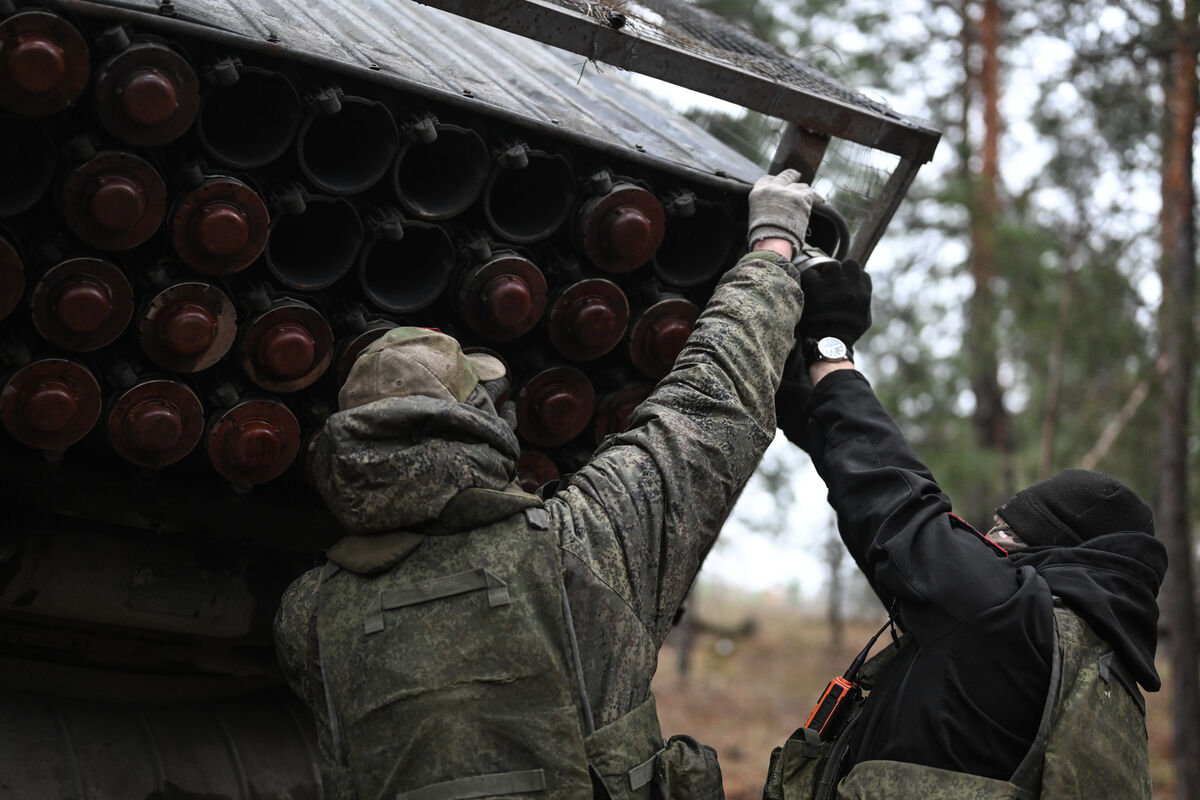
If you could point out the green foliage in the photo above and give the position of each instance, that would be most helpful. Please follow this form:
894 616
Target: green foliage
1076 285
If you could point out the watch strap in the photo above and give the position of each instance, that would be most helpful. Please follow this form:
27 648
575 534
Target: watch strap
808 349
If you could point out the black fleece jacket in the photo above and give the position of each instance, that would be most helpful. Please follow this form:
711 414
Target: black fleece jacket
967 690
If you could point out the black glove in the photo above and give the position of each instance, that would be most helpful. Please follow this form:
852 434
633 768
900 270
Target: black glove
792 399
837 302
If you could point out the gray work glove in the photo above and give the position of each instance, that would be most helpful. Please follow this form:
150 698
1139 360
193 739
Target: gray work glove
779 208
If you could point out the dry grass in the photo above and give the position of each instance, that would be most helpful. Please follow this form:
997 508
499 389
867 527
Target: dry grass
747 701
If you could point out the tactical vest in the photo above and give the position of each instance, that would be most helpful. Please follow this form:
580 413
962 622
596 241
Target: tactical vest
453 674
1091 741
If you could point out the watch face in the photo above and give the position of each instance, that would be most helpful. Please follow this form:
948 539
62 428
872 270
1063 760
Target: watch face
831 349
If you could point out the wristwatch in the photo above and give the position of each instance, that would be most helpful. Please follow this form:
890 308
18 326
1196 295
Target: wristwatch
827 348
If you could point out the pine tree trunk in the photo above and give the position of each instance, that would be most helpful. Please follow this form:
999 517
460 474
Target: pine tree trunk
1177 331
991 420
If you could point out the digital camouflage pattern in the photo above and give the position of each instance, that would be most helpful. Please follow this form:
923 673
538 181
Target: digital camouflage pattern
414 481
1096 745
1098 742
476 683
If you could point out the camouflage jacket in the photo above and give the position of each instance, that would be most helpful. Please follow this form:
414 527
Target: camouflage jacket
632 526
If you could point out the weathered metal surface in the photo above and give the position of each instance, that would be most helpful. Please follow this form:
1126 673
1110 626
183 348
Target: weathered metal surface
268 186
476 67
239 748
503 297
758 78
45 65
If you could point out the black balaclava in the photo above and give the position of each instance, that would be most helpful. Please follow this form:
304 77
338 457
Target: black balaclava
1074 506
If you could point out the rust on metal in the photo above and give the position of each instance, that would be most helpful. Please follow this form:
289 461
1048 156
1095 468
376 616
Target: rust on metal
615 409
188 327
588 319
288 347
535 469
503 298
220 227
147 94
155 423
82 304
622 229
44 65
659 333
253 442
50 404
114 201
554 406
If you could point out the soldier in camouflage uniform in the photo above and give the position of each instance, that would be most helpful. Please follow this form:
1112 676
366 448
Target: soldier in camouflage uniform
1023 646
468 639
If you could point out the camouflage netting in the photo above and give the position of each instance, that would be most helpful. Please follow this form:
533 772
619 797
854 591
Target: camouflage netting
691 28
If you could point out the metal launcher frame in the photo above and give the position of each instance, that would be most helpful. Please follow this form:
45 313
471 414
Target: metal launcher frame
209 207
680 43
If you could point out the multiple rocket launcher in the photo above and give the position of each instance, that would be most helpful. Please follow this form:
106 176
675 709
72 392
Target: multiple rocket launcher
195 243
207 209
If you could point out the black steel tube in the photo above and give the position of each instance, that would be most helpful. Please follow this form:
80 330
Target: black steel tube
696 248
347 150
528 203
12 276
251 121
27 163
827 230
440 179
313 249
407 274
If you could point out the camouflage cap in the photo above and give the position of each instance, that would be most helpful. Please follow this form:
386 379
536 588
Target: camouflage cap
410 361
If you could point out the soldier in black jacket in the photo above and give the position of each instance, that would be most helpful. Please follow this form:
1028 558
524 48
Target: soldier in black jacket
967 691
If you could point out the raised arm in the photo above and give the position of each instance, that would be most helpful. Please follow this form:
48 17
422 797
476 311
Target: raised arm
893 517
643 513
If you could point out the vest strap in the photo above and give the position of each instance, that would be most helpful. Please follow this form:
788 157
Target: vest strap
497 783
1028 775
538 517
335 730
643 773
437 589
589 722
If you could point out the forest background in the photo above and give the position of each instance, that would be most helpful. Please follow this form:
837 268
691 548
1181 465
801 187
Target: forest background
1034 298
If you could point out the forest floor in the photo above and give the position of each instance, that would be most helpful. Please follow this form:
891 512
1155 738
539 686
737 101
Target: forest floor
743 692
